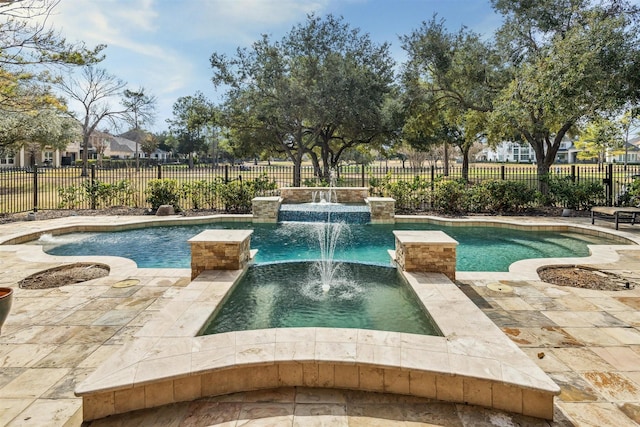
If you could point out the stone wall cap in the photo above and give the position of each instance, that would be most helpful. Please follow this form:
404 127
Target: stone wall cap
268 198
424 236
221 235
380 199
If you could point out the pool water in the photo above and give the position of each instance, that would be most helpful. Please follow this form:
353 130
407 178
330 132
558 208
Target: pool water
479 249
363 297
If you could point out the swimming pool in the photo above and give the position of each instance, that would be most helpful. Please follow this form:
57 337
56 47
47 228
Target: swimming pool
481 248
362 297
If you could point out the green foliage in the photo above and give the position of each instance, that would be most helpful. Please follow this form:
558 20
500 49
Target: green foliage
192 123
315 182
70 197
409 194
103 194
631 195
449 197
122 192
600 136
99 194
201 194
634 192
506 196
237 195
163 192
324 87
575 195
377 186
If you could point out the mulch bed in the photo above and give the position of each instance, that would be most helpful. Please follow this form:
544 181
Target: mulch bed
65 275
582 277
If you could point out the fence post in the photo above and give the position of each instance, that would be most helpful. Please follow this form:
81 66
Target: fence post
159 171
35 188
608 182
93 187
573 173
362 173
226 174
502 169
433 177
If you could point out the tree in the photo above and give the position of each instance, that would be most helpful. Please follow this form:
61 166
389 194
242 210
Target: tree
629 121
347 81
141 110
319 91
92 91
25 38
450 80
568 61
149 144
36 130
601 136
193 117
28 51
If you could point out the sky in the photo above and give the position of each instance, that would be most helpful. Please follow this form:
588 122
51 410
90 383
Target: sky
164 46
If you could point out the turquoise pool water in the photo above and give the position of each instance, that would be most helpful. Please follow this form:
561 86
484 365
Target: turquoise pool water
480 248
362 297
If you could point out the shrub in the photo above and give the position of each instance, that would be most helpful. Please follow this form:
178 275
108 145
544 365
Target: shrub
477 198
200 194
409 194
237 195
163 192
449 197
378 186
507 196
122 192
565 193
70 197
630 195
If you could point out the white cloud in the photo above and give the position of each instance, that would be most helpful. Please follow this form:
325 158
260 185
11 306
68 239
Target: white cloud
242 20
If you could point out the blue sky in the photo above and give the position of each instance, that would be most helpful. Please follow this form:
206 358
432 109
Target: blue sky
165 45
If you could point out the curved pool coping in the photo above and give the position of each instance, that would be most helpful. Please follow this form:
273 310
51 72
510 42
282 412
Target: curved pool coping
167 362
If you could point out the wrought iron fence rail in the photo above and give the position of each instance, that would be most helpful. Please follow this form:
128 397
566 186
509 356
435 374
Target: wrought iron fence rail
45 188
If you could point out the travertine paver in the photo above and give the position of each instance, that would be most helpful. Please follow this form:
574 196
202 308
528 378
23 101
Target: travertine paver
591 352
54 338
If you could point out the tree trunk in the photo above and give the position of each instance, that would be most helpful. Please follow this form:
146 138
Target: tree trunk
465 164
297 166
85 155
446 159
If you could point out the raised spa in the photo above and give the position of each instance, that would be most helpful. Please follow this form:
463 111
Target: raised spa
289 295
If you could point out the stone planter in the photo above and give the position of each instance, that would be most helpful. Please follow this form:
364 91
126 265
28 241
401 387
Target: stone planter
6 298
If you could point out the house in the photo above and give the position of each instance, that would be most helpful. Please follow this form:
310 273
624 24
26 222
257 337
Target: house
506 151
567 153
101 144
630 152
513 152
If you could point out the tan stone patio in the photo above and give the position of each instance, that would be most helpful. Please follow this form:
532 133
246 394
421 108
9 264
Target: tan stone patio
587 341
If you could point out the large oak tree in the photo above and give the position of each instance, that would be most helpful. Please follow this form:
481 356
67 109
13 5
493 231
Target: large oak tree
552 66
319 91
569 61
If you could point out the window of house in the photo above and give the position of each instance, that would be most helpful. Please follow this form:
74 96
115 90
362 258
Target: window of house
7 159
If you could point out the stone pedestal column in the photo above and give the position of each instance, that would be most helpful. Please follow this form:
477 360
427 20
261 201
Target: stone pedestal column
383 209
426 251
220 250
265 209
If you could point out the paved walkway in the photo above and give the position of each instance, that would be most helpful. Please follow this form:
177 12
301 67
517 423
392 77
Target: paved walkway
587 341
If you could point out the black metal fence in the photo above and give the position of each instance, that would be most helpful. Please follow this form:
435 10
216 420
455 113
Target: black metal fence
45 188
